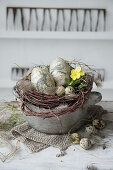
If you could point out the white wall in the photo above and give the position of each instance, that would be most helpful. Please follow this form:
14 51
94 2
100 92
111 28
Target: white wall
30 52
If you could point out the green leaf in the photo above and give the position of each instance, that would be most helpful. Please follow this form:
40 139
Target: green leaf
67 81
71 83
82 85
75 83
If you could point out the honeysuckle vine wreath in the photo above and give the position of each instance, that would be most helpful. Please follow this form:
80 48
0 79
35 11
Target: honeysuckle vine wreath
81 81
50 101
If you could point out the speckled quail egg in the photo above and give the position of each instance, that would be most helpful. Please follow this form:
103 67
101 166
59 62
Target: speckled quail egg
91 130
75 138
99 124
69 90
85 143
60 90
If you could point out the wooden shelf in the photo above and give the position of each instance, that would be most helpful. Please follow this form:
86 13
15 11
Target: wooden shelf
56 35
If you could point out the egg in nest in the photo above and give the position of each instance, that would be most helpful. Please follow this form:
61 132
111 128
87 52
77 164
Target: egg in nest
60 69
42 80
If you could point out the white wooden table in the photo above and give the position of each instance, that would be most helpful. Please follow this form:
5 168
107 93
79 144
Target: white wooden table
75 159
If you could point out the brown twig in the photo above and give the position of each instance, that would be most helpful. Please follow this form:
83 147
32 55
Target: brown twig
50 102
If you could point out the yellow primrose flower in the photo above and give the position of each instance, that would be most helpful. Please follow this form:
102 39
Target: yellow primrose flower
77 73
78 69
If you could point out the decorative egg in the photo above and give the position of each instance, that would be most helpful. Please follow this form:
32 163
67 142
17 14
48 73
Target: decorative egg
42 80
85 143
60 90
69 90
75 138
99 124
60 69
91 130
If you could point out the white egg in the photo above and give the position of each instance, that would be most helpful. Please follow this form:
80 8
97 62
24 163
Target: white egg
42 79
60 70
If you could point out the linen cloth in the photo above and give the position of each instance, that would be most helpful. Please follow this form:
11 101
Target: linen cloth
37 141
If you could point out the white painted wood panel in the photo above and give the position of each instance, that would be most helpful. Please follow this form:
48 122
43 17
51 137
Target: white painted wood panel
33 20
18 23
65 19
26 17
83 17
10 20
